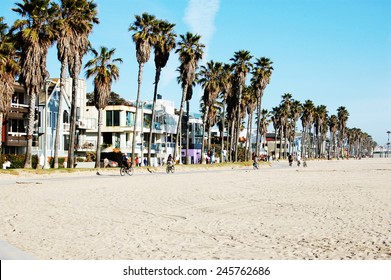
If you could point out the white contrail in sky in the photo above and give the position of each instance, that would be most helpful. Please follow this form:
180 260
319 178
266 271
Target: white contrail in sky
200 16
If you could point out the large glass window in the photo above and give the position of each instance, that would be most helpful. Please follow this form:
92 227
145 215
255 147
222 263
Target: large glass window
112 118
130 118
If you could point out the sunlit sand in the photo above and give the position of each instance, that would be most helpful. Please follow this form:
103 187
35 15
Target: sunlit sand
329 210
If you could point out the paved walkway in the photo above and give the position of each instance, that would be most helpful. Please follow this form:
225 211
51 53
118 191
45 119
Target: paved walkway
9 252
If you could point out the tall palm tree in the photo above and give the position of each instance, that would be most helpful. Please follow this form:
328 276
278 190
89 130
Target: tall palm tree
143 36
261 78
226 90
333 127
190 52
320 122
242 66
104 70
66 27
84 16
9 68
264 123
209 79
275 118
164 43
307 120
250 101
35 35
343 115
286 116
296 111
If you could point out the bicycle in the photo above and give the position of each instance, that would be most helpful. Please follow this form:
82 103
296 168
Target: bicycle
126 170
170 168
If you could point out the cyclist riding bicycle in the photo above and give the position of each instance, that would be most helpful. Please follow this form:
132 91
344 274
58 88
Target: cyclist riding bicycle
170 160
125 161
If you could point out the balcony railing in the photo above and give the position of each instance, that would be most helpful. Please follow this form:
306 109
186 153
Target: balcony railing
87 123
19 139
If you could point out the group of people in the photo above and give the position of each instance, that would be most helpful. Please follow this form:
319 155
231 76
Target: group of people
298 159
127 161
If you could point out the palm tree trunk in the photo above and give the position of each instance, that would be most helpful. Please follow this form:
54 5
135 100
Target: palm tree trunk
275 142
157 78
258 140
203 135
72 126
1 131
238 123
281 135
222 133
228 142
30 131
98 142
59 116
250 125
187 131
139 81
232 156
179 127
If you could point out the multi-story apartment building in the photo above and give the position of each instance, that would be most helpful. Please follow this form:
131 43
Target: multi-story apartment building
15 124
195 138
118 123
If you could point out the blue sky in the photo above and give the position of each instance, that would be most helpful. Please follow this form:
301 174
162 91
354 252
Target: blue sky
334 52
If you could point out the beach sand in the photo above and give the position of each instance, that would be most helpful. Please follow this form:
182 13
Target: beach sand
339 209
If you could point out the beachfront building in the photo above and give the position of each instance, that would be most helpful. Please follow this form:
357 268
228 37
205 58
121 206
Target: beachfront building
15 124
118 127
194 137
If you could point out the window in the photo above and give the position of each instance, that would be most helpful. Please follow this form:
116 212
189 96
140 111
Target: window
130 118
112 118
17 126
66 142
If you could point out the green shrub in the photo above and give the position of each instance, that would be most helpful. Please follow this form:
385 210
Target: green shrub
17 161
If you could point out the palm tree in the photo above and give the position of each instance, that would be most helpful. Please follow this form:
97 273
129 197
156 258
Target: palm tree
275 118
83 13
320 122
296 111
307 120
164 43
242 66
190 52
9 68
261 78
333 127
143 37
343 115
35 35
285 115
226 89
65 28
250 102
102 67
209 79
264 123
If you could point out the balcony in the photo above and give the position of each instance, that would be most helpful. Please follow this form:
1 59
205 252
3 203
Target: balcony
19 139
87 123
18 111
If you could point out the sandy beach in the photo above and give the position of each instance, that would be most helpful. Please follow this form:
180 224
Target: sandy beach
329 210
